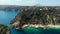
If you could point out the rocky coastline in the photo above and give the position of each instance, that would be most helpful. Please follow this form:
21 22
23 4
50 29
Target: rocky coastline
4 29
37 15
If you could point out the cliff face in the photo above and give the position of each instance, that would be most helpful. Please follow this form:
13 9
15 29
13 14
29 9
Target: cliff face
37 15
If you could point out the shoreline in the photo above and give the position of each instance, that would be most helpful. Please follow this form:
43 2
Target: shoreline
39 26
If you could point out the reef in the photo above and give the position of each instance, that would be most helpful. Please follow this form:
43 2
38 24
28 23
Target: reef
41 16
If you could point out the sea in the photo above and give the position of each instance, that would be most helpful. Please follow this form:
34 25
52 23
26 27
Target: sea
7 16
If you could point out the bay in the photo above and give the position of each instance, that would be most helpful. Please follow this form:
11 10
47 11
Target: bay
7 16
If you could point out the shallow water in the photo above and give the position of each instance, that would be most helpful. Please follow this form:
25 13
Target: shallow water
7 16
31 30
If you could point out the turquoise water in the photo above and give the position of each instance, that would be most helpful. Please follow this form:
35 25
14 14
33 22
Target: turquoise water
7 16
31 30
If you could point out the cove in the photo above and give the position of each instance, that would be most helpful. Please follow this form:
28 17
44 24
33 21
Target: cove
7 16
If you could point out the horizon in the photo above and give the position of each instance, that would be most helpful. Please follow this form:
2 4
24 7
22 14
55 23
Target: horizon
31 2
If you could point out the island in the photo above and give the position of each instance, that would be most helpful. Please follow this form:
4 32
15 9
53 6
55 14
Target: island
38 17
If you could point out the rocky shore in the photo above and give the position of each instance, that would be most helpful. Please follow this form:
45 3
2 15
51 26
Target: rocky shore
4 29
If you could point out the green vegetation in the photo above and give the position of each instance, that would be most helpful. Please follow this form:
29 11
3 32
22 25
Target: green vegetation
38 15
4 29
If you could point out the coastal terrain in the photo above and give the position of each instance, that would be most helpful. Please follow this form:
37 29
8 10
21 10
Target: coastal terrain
28 19
42 17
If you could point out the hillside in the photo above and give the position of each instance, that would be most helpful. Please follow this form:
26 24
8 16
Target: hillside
37 15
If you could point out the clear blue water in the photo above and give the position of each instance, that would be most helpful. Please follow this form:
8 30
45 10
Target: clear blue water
7 16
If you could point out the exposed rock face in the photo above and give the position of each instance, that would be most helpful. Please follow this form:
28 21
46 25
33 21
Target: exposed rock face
4 29
37 15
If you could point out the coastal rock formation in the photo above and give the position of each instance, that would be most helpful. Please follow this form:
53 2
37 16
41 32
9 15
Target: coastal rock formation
37 15
4 29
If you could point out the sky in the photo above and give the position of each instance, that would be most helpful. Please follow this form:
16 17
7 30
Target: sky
31 2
